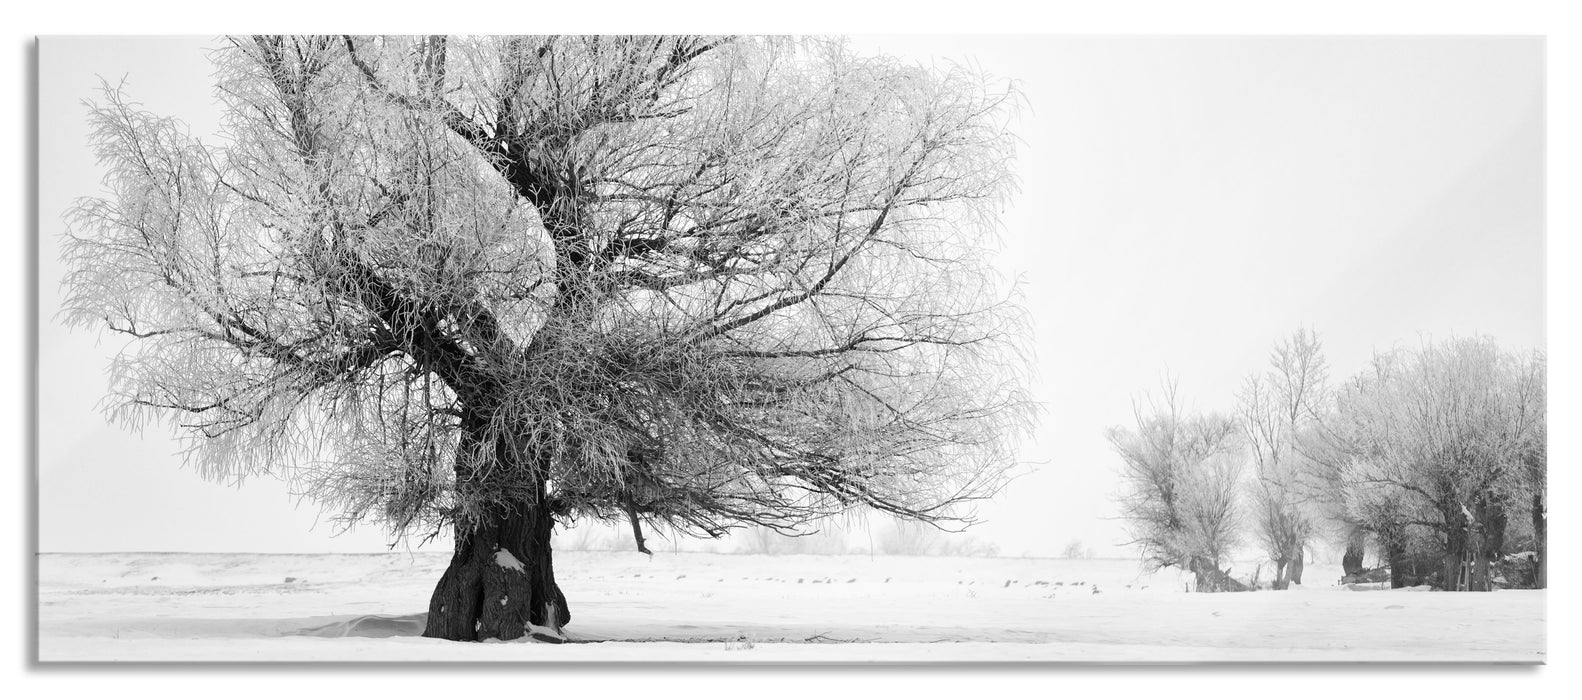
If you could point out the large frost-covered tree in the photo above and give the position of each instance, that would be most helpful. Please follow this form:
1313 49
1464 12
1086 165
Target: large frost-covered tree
486 285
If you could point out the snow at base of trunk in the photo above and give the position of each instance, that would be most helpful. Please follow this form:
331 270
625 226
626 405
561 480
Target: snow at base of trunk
536 634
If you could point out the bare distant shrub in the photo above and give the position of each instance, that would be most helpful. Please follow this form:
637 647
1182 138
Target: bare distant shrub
1180 477
1275 408
1076 550
912 538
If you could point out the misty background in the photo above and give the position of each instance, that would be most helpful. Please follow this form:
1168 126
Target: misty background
1184 203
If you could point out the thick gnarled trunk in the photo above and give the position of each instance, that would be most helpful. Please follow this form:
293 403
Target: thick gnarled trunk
501 582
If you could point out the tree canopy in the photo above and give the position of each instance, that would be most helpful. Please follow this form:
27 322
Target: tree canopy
693 281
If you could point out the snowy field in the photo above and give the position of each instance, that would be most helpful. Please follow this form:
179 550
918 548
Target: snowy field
755 609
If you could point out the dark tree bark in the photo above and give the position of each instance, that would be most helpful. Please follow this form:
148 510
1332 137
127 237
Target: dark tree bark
1455 563
501 578
1394 544
1487 542
1296 568
1397 569
1496 521
1540 539
1210 579
1356 547
1477 565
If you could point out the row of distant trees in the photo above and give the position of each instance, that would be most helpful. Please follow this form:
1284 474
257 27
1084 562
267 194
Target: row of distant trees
1434 457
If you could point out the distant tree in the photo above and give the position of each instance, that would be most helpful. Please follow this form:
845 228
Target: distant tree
907 539
1276 408
1325 459
964 544
1076 550
1439 444
484 285
913 538
1180 476
828 538
756 539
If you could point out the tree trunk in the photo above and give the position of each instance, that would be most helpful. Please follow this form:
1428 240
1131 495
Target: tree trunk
1455 559
1210 579
1540 539
1477 561
1280 581
1351 562
1496 523
1394 544
1204 572
1478 578
1486 539
1296 568
501 582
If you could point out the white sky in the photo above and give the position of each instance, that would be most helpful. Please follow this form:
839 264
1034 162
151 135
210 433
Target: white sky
1185 203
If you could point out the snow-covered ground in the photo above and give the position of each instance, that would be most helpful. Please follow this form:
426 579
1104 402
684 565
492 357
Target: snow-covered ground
753 608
